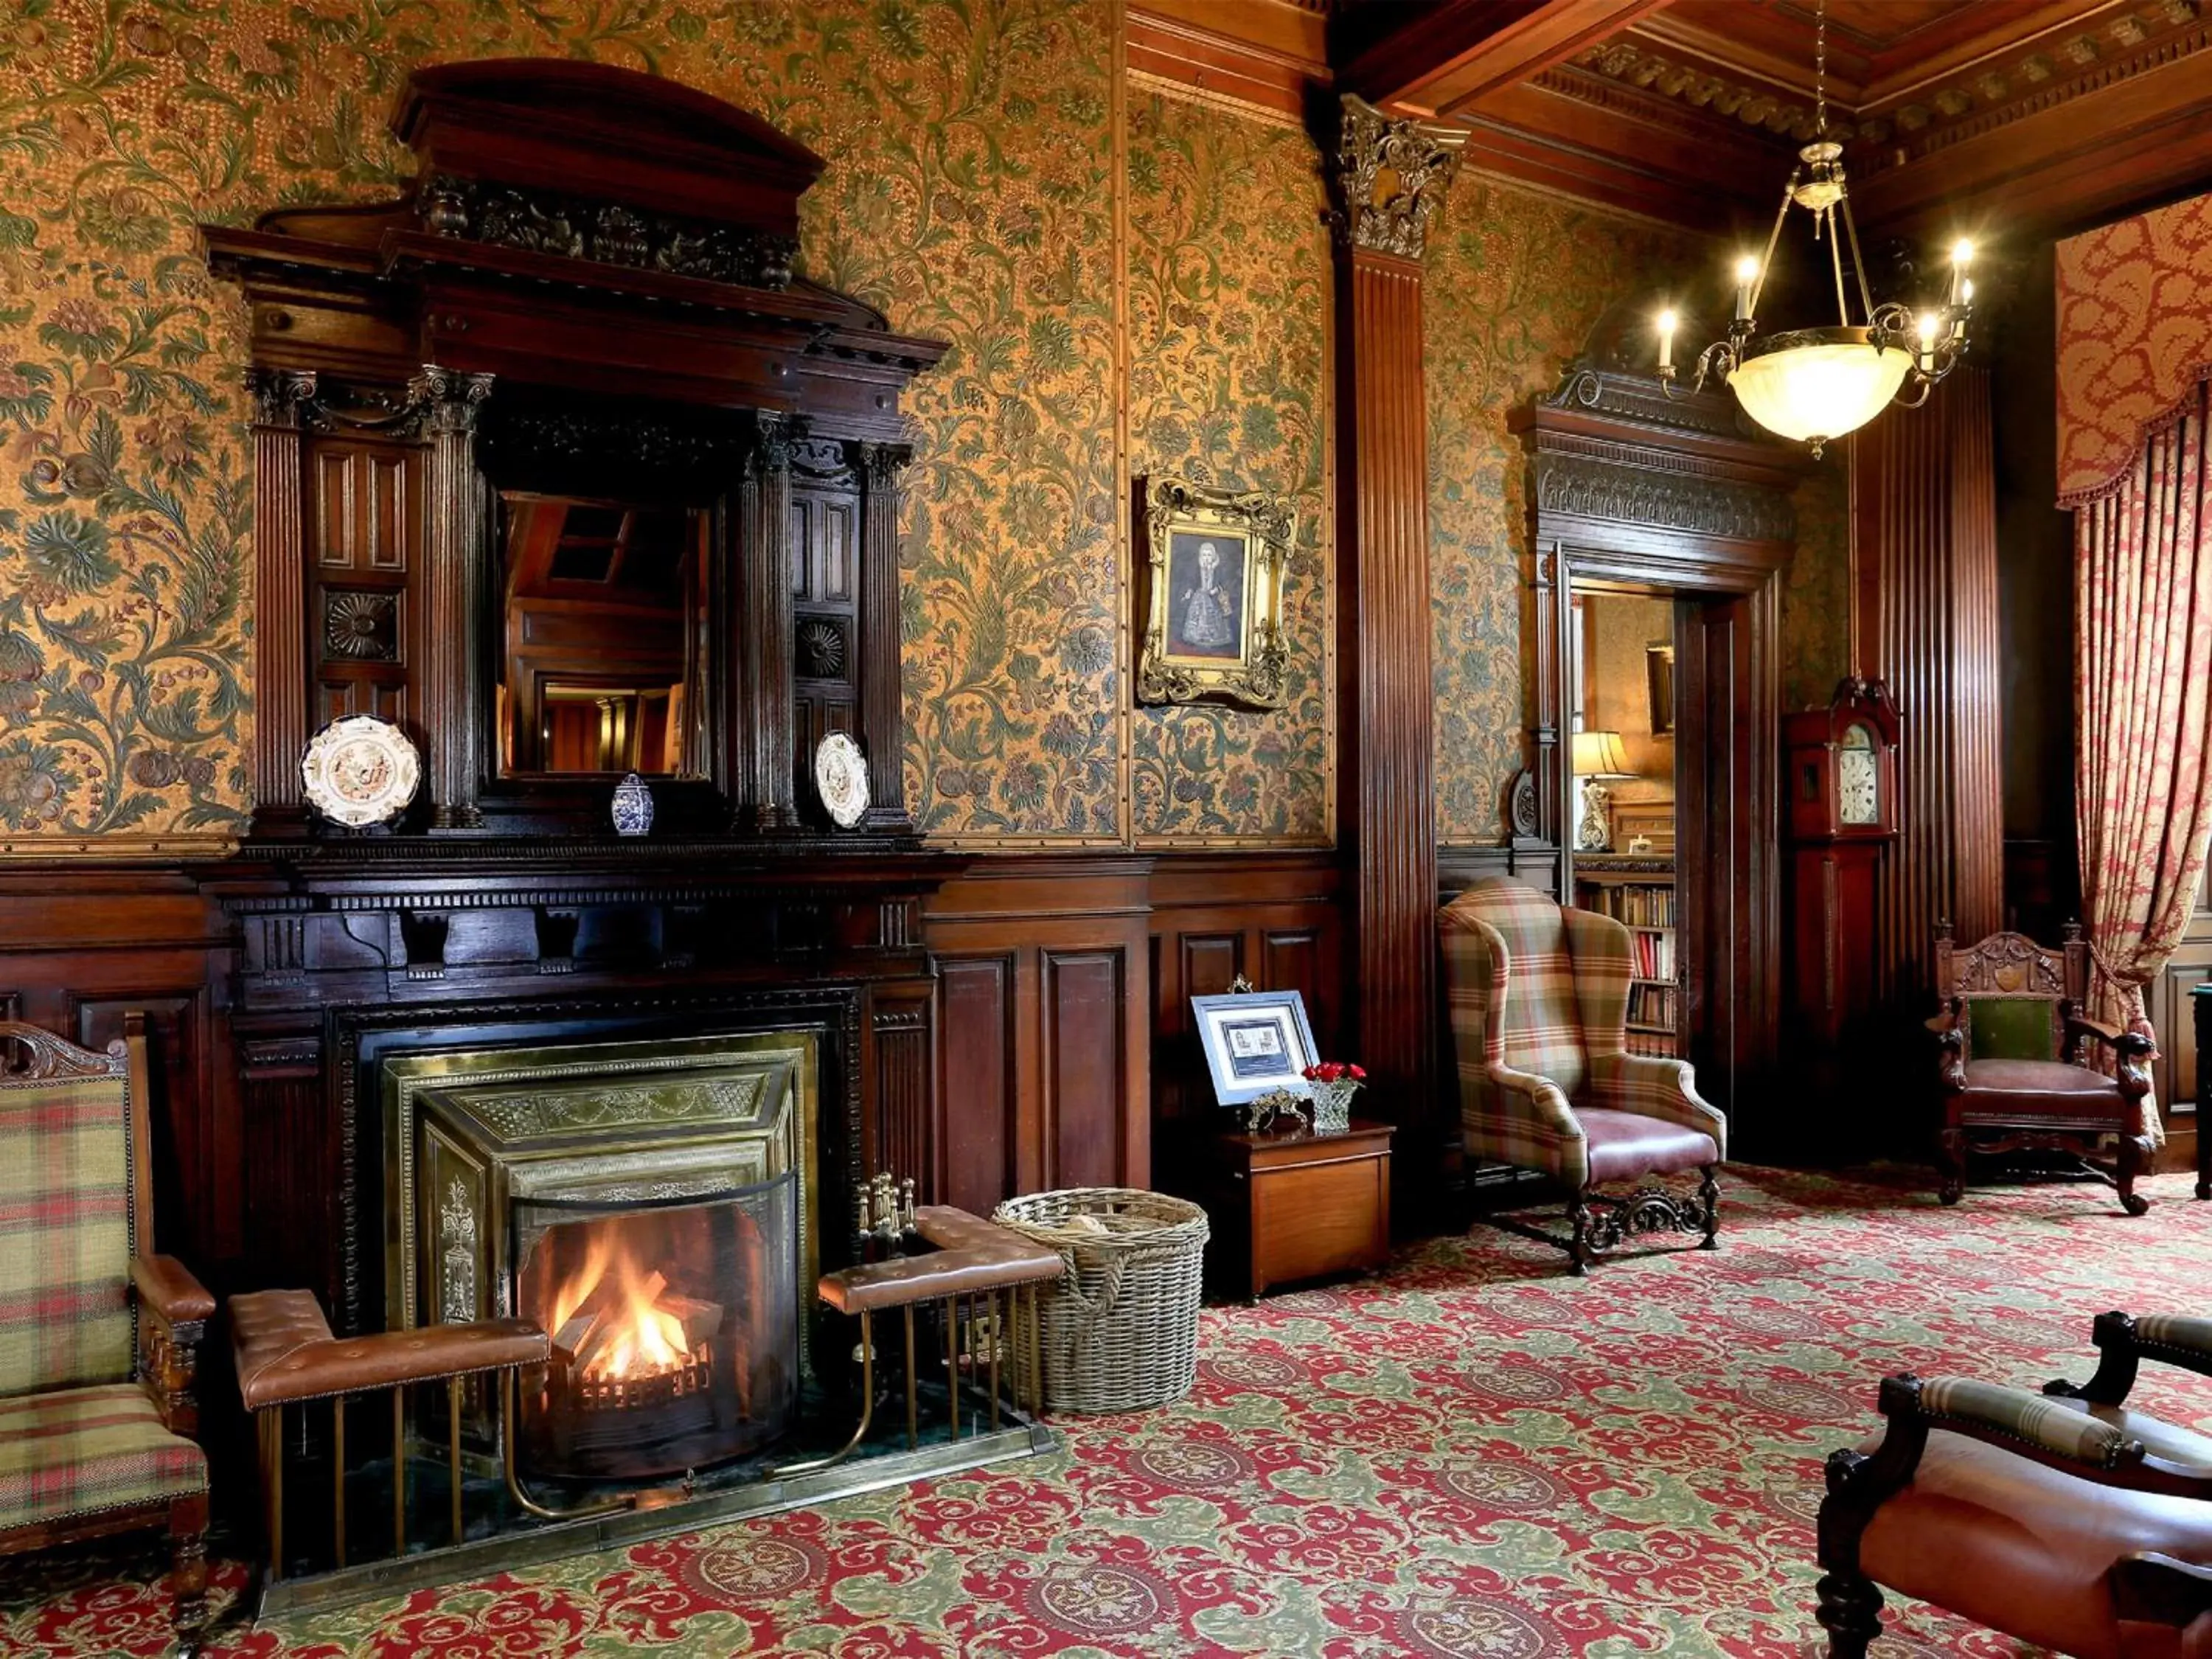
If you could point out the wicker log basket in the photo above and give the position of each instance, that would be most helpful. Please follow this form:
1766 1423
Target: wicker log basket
1121 1327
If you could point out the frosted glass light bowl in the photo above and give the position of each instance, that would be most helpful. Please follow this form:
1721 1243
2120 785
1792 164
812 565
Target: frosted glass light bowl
1816 384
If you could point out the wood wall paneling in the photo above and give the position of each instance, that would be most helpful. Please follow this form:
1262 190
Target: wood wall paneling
977 1074
1923 512
1274 918
81 946
1084 1030
1067 1054
2172 1016
902 1134
1044 1063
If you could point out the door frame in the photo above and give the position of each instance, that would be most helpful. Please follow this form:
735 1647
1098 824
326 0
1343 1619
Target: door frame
1631 489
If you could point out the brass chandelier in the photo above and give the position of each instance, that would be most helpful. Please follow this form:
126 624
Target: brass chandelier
1814 384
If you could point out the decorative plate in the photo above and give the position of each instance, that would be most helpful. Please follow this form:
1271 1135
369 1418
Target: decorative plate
840 773
361 771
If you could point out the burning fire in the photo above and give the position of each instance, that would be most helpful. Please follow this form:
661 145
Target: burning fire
620 1323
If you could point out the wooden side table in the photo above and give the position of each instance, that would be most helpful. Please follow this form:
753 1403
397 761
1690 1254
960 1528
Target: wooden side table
1298 1205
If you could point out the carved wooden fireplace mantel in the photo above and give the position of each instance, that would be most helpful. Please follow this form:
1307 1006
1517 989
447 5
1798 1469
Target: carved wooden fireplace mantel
561 466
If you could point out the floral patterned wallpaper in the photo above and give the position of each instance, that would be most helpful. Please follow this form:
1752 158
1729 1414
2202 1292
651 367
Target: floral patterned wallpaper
976 155
1229 291
971 194
1515 282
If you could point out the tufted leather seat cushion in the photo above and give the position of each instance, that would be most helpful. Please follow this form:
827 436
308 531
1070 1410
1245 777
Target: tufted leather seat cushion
2039 1085
2026 1550
285 1352
972 1255
1624 1146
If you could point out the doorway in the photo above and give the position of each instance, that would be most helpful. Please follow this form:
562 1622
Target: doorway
1645 498
1688 827
1621 720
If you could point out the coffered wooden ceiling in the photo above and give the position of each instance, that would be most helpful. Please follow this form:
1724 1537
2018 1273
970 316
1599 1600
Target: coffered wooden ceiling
2040 116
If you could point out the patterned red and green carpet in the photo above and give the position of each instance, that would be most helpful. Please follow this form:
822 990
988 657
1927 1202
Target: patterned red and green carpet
1472 1456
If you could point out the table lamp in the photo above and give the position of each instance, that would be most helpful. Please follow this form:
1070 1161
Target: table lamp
1597 755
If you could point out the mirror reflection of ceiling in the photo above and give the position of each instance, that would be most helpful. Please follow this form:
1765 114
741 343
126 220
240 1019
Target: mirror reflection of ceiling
599 600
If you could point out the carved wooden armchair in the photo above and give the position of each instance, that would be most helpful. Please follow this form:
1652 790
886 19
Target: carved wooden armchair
2015 1072
97 1334
1539 1015
2062 1519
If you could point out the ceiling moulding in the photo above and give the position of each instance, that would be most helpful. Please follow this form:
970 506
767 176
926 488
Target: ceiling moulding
2041 83
1625 151
1247 109
1461 53
1260 56
1763 107
2006 84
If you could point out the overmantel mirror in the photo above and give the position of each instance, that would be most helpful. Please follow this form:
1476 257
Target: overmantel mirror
561 469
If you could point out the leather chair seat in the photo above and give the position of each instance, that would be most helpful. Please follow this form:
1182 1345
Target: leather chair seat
2018 1086
1624 1146
2026 1549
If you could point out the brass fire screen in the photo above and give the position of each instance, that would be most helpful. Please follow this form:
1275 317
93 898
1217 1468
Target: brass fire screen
468 1133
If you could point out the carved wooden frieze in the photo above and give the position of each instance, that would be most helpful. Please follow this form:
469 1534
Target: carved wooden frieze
1584 487
2008 965
553 439
1641 399
1391 177
609 232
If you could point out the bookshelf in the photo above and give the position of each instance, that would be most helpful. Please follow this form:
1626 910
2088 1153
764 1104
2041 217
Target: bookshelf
1638 891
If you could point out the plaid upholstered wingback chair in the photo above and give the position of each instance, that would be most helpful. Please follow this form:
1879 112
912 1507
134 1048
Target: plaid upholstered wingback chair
96 1331
1539 1015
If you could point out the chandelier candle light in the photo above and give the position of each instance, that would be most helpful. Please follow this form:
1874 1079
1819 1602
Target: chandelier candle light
1813 385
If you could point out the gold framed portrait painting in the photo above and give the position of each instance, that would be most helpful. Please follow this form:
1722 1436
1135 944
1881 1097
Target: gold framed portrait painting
1213 596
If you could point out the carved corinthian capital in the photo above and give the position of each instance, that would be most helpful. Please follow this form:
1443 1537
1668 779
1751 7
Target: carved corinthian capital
278 394
1390 178
448 401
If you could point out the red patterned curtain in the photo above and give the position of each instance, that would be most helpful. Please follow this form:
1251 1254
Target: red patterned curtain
2143 693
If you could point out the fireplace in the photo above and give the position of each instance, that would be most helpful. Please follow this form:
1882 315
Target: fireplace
651 1205
672 1322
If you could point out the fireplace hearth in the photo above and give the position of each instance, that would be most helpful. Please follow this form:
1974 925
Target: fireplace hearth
652 1204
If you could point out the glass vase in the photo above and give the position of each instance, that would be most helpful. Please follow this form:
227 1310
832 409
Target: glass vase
1332 1106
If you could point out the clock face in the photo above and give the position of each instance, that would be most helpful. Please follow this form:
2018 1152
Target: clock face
1858 797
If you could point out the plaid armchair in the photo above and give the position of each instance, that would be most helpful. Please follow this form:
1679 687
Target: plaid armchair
1539 1016
96 1333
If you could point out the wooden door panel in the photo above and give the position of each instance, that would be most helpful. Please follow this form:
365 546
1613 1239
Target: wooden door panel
975 1072
1081 1005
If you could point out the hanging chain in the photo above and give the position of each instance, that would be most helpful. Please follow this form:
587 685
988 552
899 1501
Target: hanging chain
1820 69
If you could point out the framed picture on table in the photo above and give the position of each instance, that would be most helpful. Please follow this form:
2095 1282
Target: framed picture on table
1254 1041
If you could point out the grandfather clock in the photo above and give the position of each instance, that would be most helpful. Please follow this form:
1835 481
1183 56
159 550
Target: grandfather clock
1840 763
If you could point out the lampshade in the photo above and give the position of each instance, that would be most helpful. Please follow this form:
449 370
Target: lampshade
1827 381
1600 755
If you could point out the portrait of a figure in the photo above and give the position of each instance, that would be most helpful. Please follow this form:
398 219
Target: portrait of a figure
1206 576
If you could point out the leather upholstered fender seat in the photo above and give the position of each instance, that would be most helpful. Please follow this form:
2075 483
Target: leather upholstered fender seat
2062 1519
